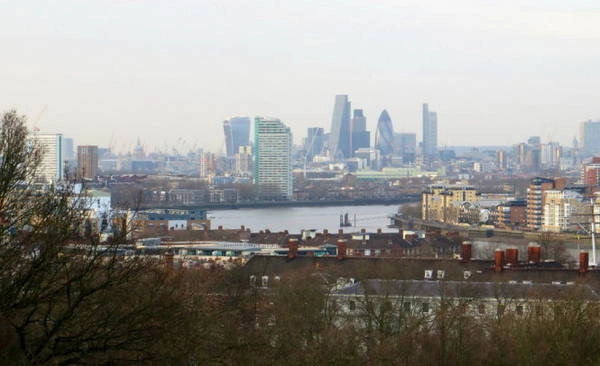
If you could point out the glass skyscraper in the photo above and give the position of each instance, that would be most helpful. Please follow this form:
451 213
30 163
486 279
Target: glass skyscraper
430 134
384 136
590 137
273 159
339 144
237 133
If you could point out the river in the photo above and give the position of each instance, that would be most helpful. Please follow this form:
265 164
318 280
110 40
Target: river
294 219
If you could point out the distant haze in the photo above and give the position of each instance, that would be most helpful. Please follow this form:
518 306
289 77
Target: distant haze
171 71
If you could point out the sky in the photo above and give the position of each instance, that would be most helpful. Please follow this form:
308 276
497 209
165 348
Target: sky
106 72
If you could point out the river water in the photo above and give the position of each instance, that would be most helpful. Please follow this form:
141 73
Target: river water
294 219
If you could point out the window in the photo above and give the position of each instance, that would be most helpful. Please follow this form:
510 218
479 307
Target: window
425 307
352 305
481 309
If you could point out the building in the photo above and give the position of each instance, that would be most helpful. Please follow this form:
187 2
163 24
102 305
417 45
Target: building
237 133
535 199
207 164
87 162
550 155
512 214
272 159
448 203
384 136
51 169
405 146
361 138
589 137
430 133
315 139
591 173
243 161
68 151
339 143
563 210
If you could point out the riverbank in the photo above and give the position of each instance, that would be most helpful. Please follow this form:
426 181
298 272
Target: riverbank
283 204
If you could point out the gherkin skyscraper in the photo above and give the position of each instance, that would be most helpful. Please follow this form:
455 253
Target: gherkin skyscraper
384 136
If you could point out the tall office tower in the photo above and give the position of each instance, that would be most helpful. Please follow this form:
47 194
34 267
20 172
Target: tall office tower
51 169
243 161
430 134
535 199
272 159
405 146
501 162
361 138
384 136
237 133
68 152
315 139
589 137
339 137
550 155
534 141
207 164
87 162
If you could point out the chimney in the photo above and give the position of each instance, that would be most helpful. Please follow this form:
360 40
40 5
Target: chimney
169 260
325 233
267 231
341 249
243 228
286 232
205 233
466 249
583 262
341 232
499 260
362 231
379 231
292 248
534 253
220 227
512 256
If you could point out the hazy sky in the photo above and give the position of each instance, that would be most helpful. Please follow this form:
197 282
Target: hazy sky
110 71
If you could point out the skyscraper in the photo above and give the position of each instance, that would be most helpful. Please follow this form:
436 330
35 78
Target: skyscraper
430 134
339 143
272 159
237 133
313 145
590 137
87 162
406 146
384 136
360 137
51 169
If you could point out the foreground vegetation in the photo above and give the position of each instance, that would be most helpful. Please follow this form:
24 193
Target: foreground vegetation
66 298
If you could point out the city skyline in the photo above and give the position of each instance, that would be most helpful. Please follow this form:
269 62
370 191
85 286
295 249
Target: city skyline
131 67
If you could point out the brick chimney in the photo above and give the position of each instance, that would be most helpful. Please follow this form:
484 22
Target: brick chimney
512 256
340 232
499 260
292 248
341 249
534 253
465 251
584 262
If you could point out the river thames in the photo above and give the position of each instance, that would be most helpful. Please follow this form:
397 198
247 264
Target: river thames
294 219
